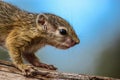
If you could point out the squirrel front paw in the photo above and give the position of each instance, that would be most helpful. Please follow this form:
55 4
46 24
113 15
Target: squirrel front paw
46 66
27 70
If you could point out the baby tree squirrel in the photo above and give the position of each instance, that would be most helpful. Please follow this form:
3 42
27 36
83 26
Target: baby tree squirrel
23 33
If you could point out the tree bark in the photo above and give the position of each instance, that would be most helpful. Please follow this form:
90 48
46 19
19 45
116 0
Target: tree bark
9 72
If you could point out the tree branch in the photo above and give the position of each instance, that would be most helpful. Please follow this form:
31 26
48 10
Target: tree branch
9 72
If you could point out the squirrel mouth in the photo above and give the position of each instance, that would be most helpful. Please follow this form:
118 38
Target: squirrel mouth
65 45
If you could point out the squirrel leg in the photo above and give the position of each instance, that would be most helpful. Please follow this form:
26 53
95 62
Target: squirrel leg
31 58
15 53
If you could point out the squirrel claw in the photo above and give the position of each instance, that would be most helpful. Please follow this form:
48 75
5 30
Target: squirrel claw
46 66
28 70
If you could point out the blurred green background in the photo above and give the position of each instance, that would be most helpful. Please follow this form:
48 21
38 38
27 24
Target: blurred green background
96 22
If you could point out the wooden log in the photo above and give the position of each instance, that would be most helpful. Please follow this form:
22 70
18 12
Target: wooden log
9 72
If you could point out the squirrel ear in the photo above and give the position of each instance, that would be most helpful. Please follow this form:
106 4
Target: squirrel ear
41 19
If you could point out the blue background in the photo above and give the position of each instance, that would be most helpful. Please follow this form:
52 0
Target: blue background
96 22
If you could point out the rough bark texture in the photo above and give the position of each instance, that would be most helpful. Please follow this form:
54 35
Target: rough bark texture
9 72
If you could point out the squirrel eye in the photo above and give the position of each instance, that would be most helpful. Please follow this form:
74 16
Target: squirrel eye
63 32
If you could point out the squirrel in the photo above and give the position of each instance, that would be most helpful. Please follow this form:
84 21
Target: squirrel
22 33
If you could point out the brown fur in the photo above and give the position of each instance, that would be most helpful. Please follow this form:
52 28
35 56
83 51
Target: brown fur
23 33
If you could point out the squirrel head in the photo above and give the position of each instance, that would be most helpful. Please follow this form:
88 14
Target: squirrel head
57 31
